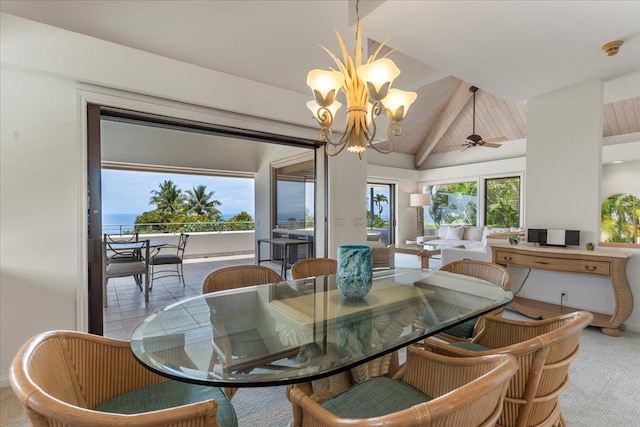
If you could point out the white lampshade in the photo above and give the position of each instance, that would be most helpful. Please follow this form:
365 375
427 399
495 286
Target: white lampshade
419 199
397 103
379 73
325 85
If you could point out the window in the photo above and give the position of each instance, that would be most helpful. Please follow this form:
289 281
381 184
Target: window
295 196
455 203
502 202
619 219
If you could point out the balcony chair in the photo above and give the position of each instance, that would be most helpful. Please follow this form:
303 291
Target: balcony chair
242 350
115 254
544 350
429 390
311 267
493 273
137 266
67 378
169 259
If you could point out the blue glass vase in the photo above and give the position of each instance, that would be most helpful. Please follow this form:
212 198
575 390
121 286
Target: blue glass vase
353 277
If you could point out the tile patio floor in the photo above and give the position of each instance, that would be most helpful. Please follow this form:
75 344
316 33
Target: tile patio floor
127 307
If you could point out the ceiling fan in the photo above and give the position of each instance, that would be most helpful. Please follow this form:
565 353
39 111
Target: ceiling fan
475 139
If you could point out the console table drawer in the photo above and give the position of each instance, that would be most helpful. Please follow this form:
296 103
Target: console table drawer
555 264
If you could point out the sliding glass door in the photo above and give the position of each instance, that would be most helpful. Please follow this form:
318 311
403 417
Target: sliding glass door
381 218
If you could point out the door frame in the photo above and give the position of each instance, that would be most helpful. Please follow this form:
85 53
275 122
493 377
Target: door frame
92 104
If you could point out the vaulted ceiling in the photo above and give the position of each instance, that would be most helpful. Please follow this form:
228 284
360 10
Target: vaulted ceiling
513 51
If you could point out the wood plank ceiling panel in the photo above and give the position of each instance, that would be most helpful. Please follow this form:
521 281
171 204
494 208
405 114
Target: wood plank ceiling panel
622 117
424 112
494 118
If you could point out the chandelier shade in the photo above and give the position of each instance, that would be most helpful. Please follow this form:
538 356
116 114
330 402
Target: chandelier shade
367 90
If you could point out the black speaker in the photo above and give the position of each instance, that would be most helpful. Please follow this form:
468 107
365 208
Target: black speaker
572 237
533 234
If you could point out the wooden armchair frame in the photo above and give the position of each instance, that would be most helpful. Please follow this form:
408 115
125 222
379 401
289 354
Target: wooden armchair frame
465 392
239 276
59 376
544 350
311 267
490 272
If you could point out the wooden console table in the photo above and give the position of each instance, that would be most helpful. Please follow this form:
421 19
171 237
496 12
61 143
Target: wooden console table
611 264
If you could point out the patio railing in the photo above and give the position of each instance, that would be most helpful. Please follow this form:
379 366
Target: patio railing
175 227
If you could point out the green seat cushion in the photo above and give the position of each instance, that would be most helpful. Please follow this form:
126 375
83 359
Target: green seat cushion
373 398
464 329
470 346
170 394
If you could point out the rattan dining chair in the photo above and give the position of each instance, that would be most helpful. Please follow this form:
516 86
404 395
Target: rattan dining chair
544 350
239 276
68 378
490 272
324 388
169 259
137 267
429 390
311 267
230 355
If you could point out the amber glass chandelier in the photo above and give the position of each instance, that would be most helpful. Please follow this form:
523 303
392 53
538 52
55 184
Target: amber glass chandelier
367 90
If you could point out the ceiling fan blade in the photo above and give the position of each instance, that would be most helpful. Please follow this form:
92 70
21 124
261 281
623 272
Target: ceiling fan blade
496 139
466 147
491 145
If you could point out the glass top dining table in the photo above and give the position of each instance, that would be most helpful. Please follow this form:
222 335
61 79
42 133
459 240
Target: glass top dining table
300 330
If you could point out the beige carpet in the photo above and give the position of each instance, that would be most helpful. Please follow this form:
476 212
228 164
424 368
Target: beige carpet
603 390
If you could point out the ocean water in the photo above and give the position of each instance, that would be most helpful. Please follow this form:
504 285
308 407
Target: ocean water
120 222
113 223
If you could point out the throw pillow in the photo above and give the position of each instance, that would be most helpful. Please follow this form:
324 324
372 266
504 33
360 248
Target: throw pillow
455 233
442 231
473 233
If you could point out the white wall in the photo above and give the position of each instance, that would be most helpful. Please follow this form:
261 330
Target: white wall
40 220
564 151
347 201
620 178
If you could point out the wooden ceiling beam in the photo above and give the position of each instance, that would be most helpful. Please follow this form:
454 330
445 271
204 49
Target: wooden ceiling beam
439 128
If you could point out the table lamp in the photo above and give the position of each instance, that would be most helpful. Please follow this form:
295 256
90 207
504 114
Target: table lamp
418 201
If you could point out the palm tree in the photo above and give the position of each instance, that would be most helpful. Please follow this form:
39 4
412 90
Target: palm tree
378 200
199 201
503 202
620 214
168 198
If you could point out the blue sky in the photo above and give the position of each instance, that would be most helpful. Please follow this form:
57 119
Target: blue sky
130 191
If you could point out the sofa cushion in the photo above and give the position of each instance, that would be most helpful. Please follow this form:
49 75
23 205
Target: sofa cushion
442 231
373 398
170 394
473 233
455 233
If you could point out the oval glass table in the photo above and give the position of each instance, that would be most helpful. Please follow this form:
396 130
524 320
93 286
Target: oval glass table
300 330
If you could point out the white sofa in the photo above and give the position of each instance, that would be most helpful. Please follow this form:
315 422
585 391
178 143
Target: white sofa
476 248
455 235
